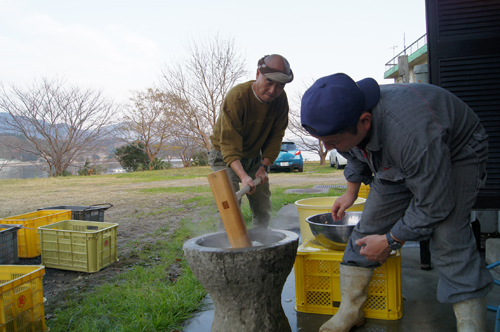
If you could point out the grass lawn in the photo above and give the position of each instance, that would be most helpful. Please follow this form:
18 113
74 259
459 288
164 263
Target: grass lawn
158 292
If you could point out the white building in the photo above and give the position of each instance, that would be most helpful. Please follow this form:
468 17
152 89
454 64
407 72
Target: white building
413 59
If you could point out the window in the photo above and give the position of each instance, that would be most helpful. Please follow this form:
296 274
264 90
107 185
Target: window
288 146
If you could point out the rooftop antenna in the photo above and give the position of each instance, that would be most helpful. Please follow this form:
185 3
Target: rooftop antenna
393 48
404 43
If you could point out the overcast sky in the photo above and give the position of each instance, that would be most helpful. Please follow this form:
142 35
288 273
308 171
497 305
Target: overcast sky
121 46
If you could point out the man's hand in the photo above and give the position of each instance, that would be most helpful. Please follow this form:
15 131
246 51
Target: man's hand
247 181
341 204
374 248
345 201
262 173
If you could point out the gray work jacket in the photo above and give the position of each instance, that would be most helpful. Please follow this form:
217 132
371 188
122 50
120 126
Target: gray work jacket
416 131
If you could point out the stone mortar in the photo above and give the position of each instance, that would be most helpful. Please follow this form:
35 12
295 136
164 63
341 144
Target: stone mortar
245 283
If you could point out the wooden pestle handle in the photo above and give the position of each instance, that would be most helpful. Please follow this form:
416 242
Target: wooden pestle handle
240 193
229 209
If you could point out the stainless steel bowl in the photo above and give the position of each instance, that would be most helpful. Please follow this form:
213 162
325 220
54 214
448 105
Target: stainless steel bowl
333 234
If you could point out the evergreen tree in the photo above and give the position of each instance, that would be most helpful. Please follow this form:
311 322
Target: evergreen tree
132 157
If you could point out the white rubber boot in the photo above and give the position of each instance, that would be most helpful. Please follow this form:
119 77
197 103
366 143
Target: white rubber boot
353 292
471 315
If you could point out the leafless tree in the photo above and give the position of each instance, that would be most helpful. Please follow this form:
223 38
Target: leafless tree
170 150
150 120
3 163
201 83
186 148
305 141
60 121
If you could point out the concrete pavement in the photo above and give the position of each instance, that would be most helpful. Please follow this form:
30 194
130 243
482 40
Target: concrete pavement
421 310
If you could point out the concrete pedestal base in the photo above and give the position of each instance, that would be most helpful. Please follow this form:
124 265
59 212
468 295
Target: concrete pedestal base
245 284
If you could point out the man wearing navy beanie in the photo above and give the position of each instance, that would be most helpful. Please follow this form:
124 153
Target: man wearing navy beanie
423 152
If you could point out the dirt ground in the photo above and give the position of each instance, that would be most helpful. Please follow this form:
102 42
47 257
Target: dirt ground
130 210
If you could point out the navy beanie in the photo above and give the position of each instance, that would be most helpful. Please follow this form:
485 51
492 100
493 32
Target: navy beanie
334 103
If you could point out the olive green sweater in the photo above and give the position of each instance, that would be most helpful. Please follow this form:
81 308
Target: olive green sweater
247 126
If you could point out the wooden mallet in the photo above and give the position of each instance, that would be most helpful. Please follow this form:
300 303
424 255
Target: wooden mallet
229 209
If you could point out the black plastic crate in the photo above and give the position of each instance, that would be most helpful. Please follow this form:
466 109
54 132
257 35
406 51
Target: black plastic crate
93 212
8 245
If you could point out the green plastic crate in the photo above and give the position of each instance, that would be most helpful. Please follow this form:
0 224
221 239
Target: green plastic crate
76 245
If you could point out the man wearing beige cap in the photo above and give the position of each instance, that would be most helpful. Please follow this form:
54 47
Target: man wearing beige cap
248 133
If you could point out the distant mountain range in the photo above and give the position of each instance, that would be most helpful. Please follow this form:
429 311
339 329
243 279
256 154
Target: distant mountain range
4 117
109 144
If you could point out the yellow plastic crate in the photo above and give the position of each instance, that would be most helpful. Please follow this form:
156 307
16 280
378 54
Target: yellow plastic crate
364 190
317 283
21 298
28 240
76 245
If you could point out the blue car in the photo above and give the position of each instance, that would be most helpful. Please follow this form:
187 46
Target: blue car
289 158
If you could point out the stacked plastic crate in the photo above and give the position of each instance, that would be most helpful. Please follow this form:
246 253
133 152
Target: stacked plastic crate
21 288
317 283
63 243
8 245
28 240
94 212
76 245
317 270
364 190
21 298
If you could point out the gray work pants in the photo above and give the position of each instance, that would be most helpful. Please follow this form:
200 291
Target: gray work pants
260 200
453 248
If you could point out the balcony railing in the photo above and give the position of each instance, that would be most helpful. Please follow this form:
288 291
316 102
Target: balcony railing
407 51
